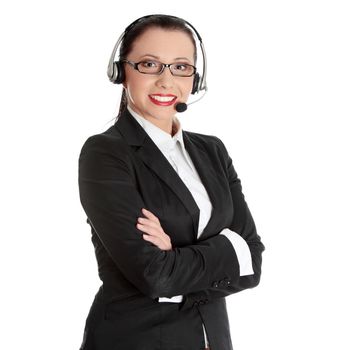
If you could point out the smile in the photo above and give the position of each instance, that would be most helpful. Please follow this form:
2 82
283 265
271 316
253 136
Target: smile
162 100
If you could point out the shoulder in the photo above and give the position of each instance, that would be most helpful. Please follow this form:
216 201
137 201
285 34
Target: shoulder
207 142
103 159
108 141
203 139
103 152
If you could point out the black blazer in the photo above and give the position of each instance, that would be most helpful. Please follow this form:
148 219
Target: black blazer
121 171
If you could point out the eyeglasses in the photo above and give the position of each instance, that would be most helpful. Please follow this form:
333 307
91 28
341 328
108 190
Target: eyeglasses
157 68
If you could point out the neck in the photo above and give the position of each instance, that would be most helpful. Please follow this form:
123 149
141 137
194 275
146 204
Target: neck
175 127
171 127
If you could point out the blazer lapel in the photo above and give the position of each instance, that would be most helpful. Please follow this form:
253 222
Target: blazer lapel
151 155
210 180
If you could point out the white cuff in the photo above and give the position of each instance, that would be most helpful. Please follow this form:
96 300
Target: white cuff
175 299
242 251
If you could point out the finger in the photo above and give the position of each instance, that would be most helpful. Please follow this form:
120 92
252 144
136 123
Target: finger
154 240
149 229
150 223
151 219
163 245
142 227
149 214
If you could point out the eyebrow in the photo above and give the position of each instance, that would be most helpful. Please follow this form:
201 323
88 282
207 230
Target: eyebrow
156 57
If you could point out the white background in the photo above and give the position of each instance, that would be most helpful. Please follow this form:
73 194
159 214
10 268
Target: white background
279 84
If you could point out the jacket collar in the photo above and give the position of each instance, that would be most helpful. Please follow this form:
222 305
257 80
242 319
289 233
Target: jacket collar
163 140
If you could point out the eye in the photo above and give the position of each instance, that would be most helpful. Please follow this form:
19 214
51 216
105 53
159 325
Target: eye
181 66
149 64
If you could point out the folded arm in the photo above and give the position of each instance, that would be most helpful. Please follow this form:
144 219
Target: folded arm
109 196
242 224
243 255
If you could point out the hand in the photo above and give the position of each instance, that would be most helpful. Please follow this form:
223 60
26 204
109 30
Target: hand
154 231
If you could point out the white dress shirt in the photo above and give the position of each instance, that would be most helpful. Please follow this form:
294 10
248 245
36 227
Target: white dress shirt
173 148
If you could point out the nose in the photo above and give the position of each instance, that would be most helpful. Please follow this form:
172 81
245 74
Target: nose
165 79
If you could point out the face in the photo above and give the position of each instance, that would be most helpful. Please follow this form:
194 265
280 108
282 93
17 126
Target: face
167 47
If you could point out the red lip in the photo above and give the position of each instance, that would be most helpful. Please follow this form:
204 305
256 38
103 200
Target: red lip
159 103
171 95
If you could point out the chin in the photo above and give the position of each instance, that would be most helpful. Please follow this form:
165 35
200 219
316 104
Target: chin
167 115
163 113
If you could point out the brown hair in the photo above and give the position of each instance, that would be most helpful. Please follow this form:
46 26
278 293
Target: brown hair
159 21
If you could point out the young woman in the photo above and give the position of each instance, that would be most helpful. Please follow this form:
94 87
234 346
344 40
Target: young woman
172 232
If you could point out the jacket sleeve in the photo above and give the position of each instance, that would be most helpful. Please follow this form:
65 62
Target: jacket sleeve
243 224
108 193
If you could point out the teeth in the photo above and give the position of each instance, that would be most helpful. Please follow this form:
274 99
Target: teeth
162 98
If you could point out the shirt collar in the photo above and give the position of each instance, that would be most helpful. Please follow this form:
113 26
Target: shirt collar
162 139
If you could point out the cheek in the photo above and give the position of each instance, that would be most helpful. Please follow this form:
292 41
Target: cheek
137 88
187 86
136 84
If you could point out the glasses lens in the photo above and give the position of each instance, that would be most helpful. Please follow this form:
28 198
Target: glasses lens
182 69
150 67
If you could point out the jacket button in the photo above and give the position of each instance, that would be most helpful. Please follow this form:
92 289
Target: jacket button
227 281
215 284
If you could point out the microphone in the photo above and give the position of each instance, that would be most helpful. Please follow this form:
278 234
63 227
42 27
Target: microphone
182 106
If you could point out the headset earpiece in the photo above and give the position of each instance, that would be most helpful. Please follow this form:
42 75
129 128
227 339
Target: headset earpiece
195 86
120 72
117 73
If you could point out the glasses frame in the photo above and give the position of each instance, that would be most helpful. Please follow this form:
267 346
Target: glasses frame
164 65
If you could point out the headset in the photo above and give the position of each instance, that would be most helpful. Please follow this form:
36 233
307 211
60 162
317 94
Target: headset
116 71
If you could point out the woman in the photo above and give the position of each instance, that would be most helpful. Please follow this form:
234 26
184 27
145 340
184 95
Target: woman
172 232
